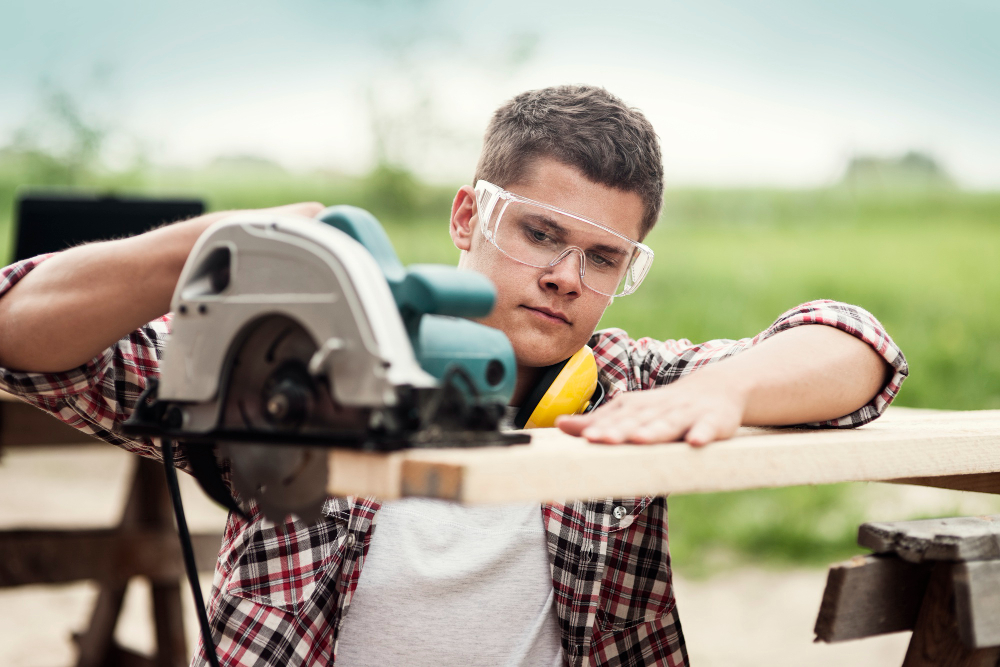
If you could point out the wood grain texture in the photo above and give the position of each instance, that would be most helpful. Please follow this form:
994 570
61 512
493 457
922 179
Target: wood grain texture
902 444
936 641
955 539
870 595
30 557
977 602
987 482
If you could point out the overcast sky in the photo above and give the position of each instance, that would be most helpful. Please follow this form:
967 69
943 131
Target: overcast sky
765 92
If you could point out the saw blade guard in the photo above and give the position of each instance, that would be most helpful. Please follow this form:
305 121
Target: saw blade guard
255 265
377 326
434 302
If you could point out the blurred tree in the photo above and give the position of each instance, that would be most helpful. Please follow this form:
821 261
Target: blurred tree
63 142
408 113
393 190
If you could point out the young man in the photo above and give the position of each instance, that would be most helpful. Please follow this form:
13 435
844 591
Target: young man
569 183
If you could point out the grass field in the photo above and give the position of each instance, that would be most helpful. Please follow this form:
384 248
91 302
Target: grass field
727 264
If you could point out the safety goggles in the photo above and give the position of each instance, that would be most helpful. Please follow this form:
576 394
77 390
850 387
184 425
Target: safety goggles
541 236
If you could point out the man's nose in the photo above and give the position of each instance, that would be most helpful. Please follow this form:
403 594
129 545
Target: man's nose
563 275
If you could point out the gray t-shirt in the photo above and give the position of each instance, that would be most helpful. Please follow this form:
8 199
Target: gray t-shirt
447 584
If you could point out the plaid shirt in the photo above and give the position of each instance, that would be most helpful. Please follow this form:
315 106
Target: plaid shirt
280 592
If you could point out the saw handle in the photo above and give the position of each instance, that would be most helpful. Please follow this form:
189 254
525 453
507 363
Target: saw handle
365 228
422 289
429 297
432 289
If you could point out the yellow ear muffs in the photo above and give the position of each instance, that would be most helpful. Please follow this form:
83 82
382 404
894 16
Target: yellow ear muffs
565 388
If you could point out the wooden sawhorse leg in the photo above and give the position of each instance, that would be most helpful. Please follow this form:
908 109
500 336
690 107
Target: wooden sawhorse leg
938 577
146 511
143 544
937 637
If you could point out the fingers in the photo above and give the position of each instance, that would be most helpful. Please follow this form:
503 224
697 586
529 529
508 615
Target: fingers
308 209
642 421
661 429
574 424
636 423
702 433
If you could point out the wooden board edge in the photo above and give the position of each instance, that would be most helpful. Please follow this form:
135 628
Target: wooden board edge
986 482
377 474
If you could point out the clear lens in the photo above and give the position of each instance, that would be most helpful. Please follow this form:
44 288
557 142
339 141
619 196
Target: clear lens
539 236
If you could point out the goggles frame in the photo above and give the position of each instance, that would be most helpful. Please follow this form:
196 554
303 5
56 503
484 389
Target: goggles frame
487 197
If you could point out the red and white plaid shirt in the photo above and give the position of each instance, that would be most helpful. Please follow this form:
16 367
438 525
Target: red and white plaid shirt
280 593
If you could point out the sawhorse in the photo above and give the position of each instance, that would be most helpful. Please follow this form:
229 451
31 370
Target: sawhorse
937 577
143 544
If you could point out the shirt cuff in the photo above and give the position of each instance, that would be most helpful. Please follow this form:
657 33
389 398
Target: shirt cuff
861 324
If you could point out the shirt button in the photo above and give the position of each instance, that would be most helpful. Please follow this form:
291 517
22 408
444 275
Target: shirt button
350 541
619 512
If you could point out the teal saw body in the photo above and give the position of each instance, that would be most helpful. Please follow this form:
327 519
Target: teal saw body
434 302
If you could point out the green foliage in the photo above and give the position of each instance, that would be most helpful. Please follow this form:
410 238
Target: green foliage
396 193
800 525
931 283
728 263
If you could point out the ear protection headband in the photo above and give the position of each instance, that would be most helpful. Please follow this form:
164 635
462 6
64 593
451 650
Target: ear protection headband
567 388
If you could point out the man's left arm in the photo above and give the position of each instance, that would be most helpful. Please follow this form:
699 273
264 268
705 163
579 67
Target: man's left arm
799 374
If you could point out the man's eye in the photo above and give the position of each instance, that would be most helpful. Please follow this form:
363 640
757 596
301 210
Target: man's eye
537 235
601 262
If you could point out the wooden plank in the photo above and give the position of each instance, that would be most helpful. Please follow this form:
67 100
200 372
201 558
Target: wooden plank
977 602
902 444
988 482
955 539
57 556
870 595
936 641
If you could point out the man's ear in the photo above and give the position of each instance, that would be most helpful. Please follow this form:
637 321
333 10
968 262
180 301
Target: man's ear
464 218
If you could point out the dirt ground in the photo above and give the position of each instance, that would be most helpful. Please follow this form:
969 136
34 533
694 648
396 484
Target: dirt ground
745 616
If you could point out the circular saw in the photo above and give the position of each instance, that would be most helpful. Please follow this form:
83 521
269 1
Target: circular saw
291 335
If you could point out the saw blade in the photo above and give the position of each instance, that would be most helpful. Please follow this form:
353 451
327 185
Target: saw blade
269 390
282 480
274 353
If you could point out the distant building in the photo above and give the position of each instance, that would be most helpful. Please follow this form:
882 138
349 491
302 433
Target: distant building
912 171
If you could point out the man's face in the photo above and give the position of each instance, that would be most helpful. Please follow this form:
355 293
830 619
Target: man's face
547 313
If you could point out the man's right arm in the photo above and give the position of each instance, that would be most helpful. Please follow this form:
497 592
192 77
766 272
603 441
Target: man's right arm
80 301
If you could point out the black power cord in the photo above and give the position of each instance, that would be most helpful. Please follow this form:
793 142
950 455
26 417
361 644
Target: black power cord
208 644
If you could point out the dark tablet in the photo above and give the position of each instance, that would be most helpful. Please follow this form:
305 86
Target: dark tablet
49 222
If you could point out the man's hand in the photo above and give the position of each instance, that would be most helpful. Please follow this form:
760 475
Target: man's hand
806 374
308 209
699 408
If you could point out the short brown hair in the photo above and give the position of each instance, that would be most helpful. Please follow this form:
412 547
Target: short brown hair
584 127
